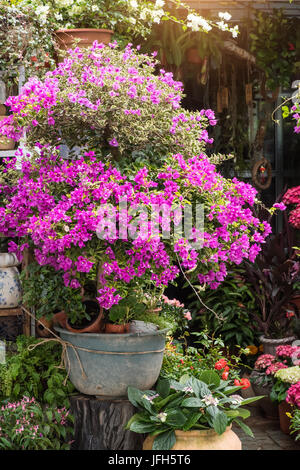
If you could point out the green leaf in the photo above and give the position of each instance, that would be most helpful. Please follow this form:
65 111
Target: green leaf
163 388
220 422
191 420
164 441
210 377
200 388
141 427
192 402
244 427
175 418
252 399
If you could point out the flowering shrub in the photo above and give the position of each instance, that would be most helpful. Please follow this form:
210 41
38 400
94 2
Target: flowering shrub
291 375
293 395
24 425
292 196
180 360
282 384
111 101
208 403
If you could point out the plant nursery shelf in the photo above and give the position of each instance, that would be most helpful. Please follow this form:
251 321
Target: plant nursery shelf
99 424
9 312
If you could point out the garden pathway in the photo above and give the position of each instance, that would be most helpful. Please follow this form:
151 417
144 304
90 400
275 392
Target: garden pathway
267 434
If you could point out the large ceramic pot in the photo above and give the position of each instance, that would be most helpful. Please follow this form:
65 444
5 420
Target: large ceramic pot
6 143
201 440
269 408
10 286
112 363
270 344
284 420
65 37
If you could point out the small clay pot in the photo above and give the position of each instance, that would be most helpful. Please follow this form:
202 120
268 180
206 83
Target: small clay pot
112 328
94 326
42 326
60 319
284 420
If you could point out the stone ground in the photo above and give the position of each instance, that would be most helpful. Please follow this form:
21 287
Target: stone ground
267 434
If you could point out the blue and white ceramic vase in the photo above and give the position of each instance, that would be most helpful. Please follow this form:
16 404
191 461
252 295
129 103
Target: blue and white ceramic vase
10 285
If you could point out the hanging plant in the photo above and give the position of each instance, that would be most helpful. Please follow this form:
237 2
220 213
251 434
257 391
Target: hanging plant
271 42
25 40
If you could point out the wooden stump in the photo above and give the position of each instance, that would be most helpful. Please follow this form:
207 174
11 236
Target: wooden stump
99 424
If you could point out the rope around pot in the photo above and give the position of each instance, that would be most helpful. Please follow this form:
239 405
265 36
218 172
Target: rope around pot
65 360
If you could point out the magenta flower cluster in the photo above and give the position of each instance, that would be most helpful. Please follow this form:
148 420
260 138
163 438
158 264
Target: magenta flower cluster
293 395
114 102
62 225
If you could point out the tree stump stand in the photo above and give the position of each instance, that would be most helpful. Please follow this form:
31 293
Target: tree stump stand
99 424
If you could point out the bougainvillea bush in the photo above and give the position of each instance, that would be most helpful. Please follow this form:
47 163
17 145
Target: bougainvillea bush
138 145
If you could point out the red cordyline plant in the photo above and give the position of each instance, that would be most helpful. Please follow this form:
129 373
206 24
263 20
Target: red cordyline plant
138 144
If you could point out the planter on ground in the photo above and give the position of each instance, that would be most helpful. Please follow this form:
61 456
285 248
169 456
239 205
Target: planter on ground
270 344
201 440
66 37
269 408
112 363
284 420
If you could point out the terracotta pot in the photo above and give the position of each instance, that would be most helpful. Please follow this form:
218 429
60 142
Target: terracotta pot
201 440
93 327
270 344
192 56
60 319
284 420
65 37
5 143
112 328
40 329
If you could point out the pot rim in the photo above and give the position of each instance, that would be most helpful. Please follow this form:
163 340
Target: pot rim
114 335
203 432
277 340
99 30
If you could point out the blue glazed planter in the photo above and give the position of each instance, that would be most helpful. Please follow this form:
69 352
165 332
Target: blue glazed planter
10 286
114 361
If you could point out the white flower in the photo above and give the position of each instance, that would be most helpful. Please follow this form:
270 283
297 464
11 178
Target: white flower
210 400
133 4
156 15
196 22
234 31
95 8
42 12
162 417
236 399
58 16
132 20
223 26
159 3
225 16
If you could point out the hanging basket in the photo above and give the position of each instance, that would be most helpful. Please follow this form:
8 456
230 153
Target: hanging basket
262 174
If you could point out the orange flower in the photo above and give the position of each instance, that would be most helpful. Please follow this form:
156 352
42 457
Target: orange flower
253 349
225 376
